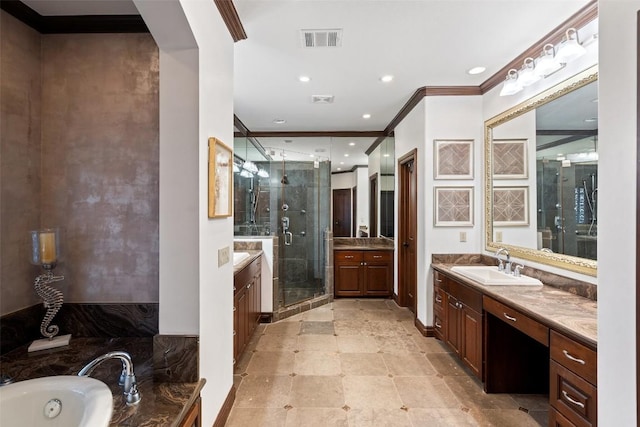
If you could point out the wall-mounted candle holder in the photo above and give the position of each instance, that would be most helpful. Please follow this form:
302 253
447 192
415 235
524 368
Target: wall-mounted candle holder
45 252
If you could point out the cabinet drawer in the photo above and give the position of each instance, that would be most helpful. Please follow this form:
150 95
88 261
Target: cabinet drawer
574 356
441 281
347 256
466 296
572 396
438 325
378 256
438 298
557 420
521 322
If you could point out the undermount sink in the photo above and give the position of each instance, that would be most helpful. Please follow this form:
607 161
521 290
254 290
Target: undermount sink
58 401
238 257
490 276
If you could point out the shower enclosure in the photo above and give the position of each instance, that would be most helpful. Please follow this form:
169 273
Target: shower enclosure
288 198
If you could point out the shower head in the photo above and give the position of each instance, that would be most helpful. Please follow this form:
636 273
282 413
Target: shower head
284 180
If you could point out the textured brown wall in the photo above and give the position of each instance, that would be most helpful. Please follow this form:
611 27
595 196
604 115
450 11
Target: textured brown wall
79 150
100 156
20 103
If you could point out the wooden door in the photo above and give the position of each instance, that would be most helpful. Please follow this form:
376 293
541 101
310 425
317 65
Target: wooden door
342 212
471 329
408 229
373 205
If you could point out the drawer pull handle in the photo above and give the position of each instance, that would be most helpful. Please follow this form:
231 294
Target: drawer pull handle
348 256
438 299
234 309
438 280
377 256
234 289
513 319
438 325
575 359
249 286
575 402
459 305
234 333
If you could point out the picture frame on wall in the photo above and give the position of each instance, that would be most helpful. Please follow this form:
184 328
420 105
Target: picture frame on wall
510 206
220 179
509 159
453 206
453 158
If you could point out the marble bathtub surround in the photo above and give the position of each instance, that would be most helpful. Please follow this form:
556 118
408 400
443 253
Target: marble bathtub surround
162 403
574 286
81 320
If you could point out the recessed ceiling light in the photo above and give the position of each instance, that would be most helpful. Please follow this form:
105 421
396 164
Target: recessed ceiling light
279 121
342 163
386 79
304 79
311 155
385 155
366 116
476 70
346 154
339 169
352 144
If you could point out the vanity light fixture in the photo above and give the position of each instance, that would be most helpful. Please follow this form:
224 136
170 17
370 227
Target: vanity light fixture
236 169
570 48
263 173
527 75
250 166
547 63
246 174
511 85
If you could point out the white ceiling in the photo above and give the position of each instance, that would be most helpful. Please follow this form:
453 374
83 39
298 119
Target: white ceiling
419 42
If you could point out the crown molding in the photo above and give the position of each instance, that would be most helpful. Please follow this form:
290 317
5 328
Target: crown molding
231 19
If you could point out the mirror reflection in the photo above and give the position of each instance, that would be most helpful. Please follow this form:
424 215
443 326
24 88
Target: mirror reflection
542 169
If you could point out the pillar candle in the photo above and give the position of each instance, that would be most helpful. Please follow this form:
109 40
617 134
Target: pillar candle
47 248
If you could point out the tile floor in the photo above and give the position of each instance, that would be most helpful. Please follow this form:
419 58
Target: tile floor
363 363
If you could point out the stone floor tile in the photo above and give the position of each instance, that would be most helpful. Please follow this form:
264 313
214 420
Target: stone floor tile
357 344
447 364
371 392
396 344
425 392
352 327
431 345
317 343
263 417
283 328
346 303
442 417
271 363
317 328
316 392
378 417
532 402
317 417
243 362
349 314
367 364
263 391
318 315
383 315
374 304
503 418
277 343
469 391
408 364
317 363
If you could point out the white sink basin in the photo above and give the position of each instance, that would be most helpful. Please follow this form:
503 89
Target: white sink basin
238 257
60 401
490 276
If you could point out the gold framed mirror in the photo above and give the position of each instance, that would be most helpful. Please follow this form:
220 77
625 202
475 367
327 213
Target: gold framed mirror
519 223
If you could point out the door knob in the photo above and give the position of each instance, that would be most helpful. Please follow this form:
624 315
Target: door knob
405 244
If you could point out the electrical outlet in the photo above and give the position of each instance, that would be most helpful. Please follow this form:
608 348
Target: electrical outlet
498 236
223 256
463 236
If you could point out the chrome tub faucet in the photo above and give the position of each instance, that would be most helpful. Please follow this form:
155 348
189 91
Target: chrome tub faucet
127 376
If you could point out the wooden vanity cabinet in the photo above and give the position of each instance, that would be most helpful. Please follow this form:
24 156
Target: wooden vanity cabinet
194 415
573 383
246 305
363 273
458 320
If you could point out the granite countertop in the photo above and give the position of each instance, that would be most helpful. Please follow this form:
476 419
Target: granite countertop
573 315
253 254
162 404
362 244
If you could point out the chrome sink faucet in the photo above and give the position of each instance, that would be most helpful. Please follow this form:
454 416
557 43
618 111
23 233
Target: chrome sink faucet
127 376
506 267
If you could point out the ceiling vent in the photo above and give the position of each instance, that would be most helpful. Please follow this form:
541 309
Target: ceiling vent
322 99
321 38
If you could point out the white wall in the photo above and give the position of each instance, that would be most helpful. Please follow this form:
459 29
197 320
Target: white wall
362 182
617 257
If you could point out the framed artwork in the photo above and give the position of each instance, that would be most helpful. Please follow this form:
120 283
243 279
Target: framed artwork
510 206
509 158
453 207
453 159
220 179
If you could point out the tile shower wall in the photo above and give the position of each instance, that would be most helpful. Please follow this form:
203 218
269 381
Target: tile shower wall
85 144
20 101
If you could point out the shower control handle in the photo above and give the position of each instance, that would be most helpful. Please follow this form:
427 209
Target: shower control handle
288 238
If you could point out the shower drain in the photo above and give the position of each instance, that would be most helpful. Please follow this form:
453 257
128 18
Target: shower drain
52 408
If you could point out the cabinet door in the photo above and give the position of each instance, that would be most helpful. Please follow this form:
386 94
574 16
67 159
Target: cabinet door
257 289
251 306
452 322
471 329
243 319
348 275
378 273
236 328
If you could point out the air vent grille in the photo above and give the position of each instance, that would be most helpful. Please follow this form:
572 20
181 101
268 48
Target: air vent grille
322 99
321 38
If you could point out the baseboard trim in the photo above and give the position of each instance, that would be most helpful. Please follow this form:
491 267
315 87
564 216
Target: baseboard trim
395 298
426 331
221 419
266 317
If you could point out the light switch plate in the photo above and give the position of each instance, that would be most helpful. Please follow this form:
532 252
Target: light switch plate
223 256
498 236
463 236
